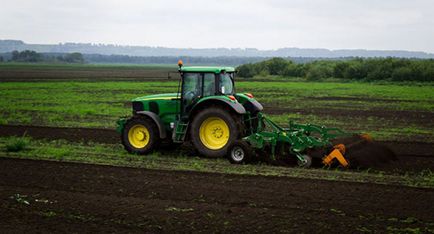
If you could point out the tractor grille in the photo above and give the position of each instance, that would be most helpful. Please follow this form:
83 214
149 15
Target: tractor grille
137 106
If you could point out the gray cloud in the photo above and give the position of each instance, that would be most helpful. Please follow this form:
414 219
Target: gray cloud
333 24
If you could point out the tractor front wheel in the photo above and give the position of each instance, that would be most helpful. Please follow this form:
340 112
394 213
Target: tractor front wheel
212 131
140 135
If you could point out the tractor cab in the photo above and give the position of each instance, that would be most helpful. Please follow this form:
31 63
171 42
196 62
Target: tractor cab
204 82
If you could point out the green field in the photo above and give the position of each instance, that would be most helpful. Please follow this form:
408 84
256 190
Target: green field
82 96
388 111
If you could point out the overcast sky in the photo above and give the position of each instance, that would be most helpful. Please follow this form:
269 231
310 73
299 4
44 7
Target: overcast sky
263 24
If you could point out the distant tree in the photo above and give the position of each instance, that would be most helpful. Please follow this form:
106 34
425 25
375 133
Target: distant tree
276 65
397 69
59 58
74 58
319 71
339 69
354 71
377 74
290 70
383 69
15 55
295 70
1 59
26 56
402 73
246 71
428 73
264 73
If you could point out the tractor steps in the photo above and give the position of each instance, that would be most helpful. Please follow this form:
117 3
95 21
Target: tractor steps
180 132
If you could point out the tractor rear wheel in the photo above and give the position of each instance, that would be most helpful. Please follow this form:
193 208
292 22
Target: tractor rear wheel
212 131
140 135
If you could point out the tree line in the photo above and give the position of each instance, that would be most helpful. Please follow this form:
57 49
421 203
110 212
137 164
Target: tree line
33 56
196 60
30 56
148 51
368 69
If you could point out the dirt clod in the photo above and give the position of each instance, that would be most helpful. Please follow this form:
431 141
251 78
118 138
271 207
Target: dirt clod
370 155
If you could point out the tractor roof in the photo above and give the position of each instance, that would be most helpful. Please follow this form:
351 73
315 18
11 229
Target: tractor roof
207 69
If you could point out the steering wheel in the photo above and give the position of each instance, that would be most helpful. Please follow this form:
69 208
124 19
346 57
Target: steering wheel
189 95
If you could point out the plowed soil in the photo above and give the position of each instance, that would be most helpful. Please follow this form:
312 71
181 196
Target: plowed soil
421 117
71 134
41 196
412 156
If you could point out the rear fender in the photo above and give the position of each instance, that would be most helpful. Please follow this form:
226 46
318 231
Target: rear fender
250 104
224 101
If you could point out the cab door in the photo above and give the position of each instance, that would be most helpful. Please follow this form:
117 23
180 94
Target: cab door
191 92
196 86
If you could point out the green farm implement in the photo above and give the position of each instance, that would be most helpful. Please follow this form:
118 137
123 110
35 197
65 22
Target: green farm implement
220 122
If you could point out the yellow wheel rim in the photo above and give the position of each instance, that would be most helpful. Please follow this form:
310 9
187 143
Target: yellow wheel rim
138 136
214 133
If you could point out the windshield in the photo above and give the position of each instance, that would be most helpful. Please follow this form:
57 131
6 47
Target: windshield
226 84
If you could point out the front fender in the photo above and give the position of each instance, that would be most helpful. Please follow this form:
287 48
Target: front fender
156 120
121 124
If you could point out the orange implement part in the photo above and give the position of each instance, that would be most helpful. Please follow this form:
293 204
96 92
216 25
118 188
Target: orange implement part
366 137
340 147
336 153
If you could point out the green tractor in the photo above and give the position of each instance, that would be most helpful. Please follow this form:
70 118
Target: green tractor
219 122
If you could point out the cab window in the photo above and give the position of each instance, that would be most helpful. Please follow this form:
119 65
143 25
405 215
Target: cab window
192 87
226 85
208 84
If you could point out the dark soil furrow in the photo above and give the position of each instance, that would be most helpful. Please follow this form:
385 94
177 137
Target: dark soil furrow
422 117
71 197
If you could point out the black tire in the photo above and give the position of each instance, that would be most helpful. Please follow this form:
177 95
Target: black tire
212 111
306 163
153 135
240 152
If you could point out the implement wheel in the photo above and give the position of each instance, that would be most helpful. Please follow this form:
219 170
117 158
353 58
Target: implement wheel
140 135
213 130
306 162
240 152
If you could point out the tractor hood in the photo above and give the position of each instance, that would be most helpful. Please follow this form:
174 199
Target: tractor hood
164 96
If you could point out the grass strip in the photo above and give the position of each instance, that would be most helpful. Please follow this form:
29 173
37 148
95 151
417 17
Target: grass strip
179 160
